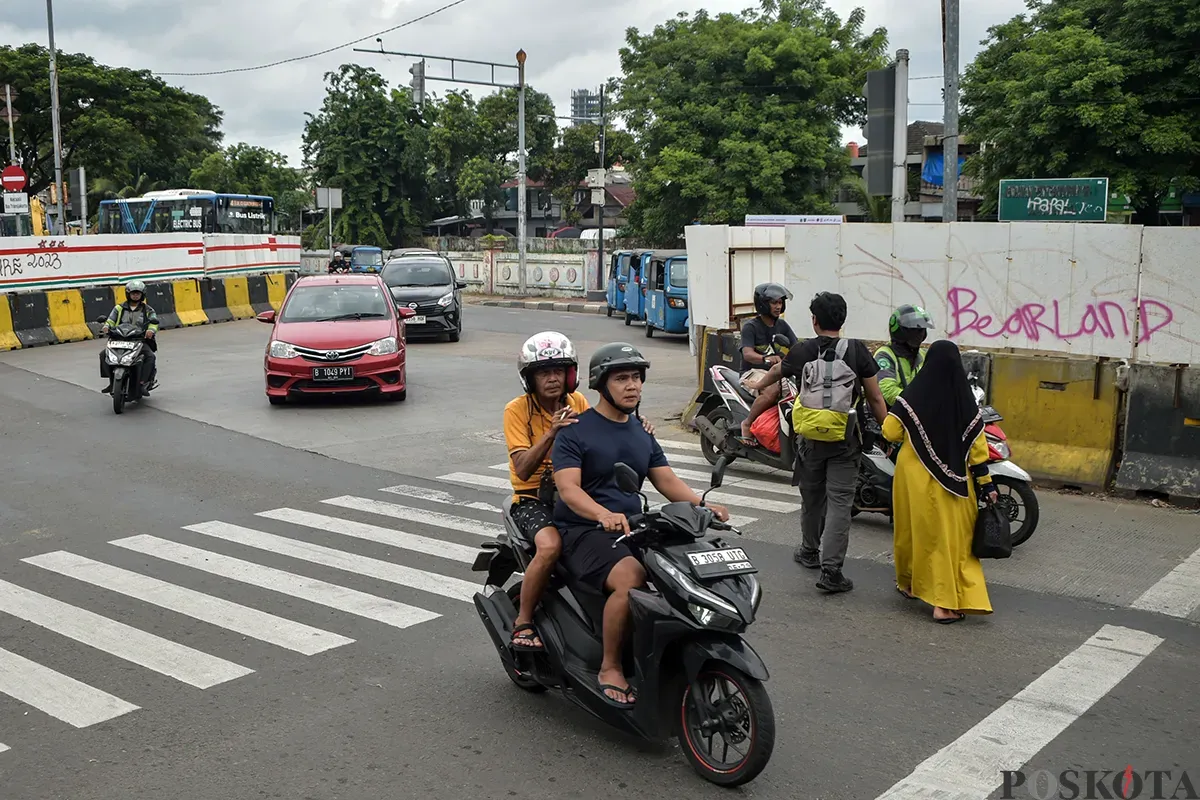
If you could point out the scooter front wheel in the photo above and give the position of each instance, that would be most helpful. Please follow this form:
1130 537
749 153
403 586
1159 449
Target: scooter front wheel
1019 503
118 397
727 728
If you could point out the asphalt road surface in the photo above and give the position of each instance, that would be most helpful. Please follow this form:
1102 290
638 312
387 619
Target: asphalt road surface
210 597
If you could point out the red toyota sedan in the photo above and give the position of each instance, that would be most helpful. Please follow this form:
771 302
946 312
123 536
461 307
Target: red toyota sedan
336 334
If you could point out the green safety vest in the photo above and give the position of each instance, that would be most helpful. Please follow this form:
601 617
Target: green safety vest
895 373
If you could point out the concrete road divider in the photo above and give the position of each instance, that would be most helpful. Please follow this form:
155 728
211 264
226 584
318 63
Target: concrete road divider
188 307
67 315
65 307
1060 415
1162 432
31 319
213 297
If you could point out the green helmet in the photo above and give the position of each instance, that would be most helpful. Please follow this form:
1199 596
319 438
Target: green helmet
909 318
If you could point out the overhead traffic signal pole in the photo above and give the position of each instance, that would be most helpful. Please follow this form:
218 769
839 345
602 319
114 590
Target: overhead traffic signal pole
418 85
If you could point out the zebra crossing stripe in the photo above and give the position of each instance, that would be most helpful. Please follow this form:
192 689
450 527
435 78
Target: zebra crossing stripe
409 514
375 533
118 639
438 496
724 498
680 444
731 481
204 607
330 595
389 571
55 694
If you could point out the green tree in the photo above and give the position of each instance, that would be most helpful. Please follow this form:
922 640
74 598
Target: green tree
456 136
126 126
1083 88
247 169
576 154
374 144
741 114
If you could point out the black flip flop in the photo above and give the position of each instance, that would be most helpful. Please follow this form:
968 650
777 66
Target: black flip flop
628 691
950 620
525 643
905 594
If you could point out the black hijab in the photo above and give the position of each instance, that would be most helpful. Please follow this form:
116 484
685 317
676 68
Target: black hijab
941 417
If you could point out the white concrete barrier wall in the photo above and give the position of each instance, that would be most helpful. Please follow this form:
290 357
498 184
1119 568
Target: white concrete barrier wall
242 254
496 272
31 263
1118 291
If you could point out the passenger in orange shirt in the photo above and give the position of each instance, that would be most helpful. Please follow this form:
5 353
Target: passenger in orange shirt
549 371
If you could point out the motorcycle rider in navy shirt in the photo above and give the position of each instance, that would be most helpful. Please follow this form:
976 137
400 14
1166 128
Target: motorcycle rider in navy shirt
583 458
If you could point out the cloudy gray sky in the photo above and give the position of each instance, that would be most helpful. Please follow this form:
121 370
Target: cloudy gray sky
567 49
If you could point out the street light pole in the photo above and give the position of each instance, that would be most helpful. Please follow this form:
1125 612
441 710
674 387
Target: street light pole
600 271
950 132
521 180
54 123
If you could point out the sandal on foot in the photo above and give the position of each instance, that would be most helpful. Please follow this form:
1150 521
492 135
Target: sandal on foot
628 691
525 637
958 617
906 594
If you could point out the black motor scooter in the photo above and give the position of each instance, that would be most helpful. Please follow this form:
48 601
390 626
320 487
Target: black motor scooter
123 363
694 675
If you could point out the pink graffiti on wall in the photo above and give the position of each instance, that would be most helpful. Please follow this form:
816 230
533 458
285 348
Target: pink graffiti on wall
1036 321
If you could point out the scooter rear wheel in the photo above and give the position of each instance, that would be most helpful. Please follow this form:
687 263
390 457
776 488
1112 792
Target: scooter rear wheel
1015 497
521 680
721 420
742 720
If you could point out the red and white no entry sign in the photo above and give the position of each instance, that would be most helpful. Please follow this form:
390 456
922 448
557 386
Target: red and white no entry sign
12 179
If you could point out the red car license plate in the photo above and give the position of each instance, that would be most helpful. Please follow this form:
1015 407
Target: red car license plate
333 373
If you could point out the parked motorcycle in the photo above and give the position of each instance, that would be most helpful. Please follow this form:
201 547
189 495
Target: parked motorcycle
695 676
123 364
720 428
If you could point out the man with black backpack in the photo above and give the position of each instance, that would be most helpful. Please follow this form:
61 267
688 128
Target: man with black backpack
832 374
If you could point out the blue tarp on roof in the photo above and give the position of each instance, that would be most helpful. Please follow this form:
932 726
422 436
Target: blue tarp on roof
932 172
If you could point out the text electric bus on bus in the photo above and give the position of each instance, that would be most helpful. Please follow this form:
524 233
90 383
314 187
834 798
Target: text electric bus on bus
189 211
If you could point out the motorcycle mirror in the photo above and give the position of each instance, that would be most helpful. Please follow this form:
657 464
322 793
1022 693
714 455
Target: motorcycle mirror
101 320
780 340
626 478
718 473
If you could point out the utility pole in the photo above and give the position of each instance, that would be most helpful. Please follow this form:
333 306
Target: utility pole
12 138
522 192
54 122
950 140
520 87
900 139
600 271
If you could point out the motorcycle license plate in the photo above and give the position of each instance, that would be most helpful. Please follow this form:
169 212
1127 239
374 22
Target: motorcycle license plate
333 373
719 563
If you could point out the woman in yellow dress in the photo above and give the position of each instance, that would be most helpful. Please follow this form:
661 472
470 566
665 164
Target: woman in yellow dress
943 454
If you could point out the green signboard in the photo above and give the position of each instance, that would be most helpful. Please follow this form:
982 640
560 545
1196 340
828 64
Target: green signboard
1054 200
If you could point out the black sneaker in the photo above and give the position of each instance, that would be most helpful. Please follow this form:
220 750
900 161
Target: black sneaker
809 560
833 581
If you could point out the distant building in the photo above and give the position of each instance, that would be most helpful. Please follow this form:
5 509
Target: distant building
585 105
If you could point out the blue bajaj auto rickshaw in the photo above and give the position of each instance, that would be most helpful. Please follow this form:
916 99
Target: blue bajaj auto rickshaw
366 259
666 292
635 293
618 279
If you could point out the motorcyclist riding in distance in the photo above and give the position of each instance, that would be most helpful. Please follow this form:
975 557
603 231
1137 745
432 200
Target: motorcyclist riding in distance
549 371
584 456
136 309
899 361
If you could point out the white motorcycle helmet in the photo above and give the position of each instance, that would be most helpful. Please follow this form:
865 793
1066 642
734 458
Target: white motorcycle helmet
544 350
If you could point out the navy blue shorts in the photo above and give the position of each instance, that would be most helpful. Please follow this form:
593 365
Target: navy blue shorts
588 554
